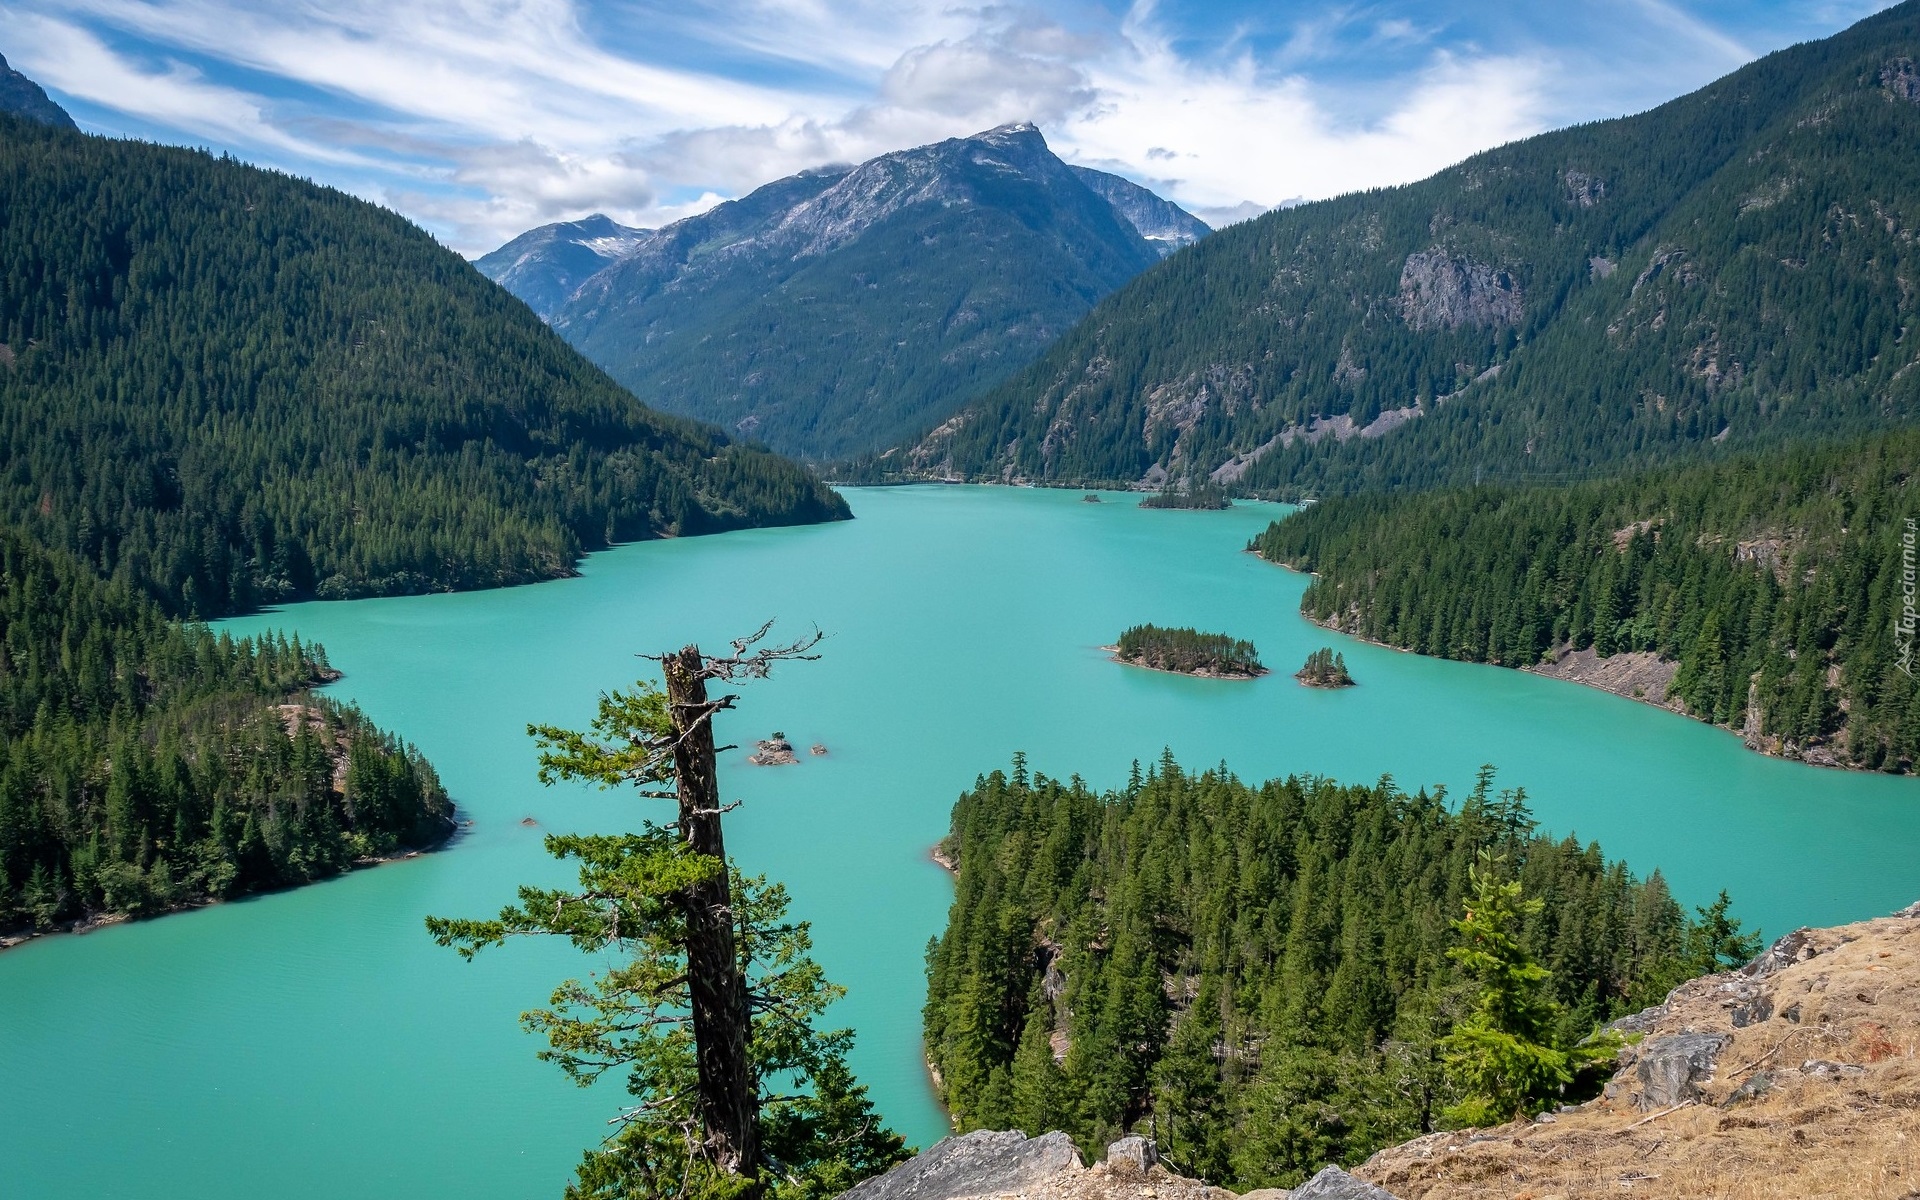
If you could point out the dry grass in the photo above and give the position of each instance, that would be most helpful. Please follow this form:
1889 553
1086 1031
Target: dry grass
1850 1129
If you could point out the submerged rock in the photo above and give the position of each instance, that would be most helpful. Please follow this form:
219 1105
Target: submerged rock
775 751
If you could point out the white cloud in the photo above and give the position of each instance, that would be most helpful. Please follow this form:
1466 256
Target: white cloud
483 117
1243 135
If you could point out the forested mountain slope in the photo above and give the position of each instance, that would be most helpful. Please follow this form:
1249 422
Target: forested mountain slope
231 387
1771 587
1734 267
837 311
1257 973
146 764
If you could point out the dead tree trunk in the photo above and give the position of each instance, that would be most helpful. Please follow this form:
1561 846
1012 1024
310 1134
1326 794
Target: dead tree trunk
721 1025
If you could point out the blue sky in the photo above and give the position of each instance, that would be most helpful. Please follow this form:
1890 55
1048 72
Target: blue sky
482 118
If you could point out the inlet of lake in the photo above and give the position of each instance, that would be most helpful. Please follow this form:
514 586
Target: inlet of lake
314 1043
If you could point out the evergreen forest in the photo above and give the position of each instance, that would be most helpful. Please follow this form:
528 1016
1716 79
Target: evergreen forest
1725 272
147 764
1774 582
1265 978
229 387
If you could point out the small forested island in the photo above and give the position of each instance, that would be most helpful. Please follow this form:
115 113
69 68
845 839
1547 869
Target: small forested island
1205 496
147 765
1188 652
1090 498
1278 976
1325 669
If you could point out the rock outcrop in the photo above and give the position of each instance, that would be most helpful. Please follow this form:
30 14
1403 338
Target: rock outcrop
1901 80
1334 1184
1672 1069
1012 1166
1441 291
24 98
987 1163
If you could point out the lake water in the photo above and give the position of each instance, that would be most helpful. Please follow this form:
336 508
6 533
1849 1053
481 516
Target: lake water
315 1043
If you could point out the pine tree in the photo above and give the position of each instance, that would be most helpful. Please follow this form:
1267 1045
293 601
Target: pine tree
711 1008
1507 1054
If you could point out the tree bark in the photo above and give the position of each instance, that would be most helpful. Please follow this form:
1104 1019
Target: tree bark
721 1022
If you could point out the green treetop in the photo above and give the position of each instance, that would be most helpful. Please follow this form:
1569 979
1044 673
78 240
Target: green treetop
1508 1053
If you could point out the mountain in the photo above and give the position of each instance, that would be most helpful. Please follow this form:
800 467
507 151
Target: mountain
232 387
1735 267
838 310
22 97
1166 226
543 266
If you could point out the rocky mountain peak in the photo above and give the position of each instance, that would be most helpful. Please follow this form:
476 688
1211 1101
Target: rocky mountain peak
1017 131
543 266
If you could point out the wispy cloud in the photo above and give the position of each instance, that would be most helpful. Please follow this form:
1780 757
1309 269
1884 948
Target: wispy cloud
483 117
74 61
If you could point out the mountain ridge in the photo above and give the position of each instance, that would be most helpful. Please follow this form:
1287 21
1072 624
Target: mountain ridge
22 97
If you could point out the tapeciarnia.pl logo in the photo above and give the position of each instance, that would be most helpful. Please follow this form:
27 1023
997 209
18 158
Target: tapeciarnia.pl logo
1903 628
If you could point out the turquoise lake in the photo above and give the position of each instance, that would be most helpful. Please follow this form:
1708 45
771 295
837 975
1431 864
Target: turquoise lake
314 1043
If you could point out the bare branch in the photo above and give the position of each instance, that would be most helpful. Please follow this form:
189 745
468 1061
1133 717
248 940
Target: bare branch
747 663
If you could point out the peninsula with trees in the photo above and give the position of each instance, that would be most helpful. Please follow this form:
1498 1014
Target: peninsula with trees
1762 594
148 765
1188 651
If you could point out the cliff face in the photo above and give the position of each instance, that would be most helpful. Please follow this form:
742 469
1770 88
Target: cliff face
1797 1075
